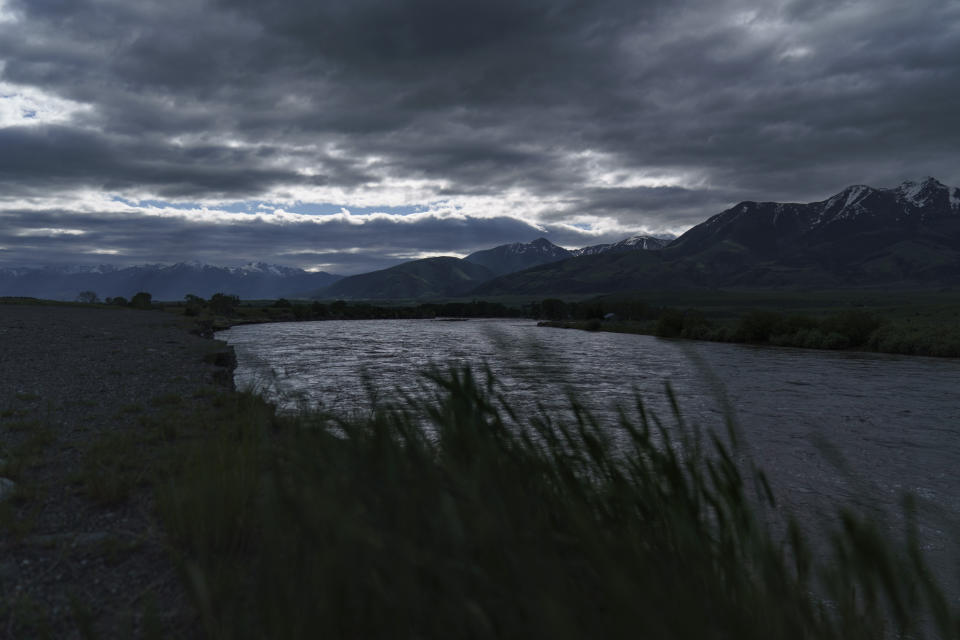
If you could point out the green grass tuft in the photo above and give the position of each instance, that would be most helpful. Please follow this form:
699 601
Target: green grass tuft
454 517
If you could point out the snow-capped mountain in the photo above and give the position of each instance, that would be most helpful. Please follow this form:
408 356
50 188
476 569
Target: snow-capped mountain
517 256
262 268
908 233
869 215
508 258
633 243
82 268
904 236
164 282
930 193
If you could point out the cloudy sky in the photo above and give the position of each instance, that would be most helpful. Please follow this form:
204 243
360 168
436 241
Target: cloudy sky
345 135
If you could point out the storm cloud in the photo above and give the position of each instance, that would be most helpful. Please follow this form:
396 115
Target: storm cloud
134 132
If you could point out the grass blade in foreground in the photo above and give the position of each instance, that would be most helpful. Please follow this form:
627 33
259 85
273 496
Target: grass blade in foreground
454 518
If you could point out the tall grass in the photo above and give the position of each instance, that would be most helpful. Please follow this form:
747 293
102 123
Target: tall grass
451 517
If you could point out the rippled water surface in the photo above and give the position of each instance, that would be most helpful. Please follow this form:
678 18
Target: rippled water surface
894 420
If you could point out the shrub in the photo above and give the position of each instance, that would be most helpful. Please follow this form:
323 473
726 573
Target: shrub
797 321
300 311
694 324
834 340
783 340
223 304
194 305
589 310
758 326
141 300
553 309
856 325
669 324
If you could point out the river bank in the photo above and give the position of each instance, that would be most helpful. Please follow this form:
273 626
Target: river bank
96 404
903 324
850 330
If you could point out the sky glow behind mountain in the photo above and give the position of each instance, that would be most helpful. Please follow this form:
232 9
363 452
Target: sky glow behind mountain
347 136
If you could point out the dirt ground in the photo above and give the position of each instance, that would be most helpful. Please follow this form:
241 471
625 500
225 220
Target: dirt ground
86 394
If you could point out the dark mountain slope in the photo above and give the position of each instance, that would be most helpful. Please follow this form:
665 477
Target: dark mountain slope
427 278
603 273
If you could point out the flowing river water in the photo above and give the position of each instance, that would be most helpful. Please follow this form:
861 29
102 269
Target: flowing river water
828 427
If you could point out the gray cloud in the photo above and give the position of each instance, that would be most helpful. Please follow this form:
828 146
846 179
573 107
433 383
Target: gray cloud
581 108
41 157
331 243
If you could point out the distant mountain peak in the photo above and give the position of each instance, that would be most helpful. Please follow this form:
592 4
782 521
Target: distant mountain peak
642 242
191 264
927 181
846 204
922 193
518 256
542 242
540 245
635 242
264 268
84 268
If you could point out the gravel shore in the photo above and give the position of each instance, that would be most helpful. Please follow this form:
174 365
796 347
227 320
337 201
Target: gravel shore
76 559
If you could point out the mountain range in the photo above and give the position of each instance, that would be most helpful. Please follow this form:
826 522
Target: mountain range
862 235
451 277
906 236
518 256
427 278
163 282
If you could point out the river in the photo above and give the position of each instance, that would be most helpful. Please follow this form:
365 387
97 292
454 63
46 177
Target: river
894 421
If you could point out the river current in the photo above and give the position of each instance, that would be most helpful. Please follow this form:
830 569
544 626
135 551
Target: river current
828 427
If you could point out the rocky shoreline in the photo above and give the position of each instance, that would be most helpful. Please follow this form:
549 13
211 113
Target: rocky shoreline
89 397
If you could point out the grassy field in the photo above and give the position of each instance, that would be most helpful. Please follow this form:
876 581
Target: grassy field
454 517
